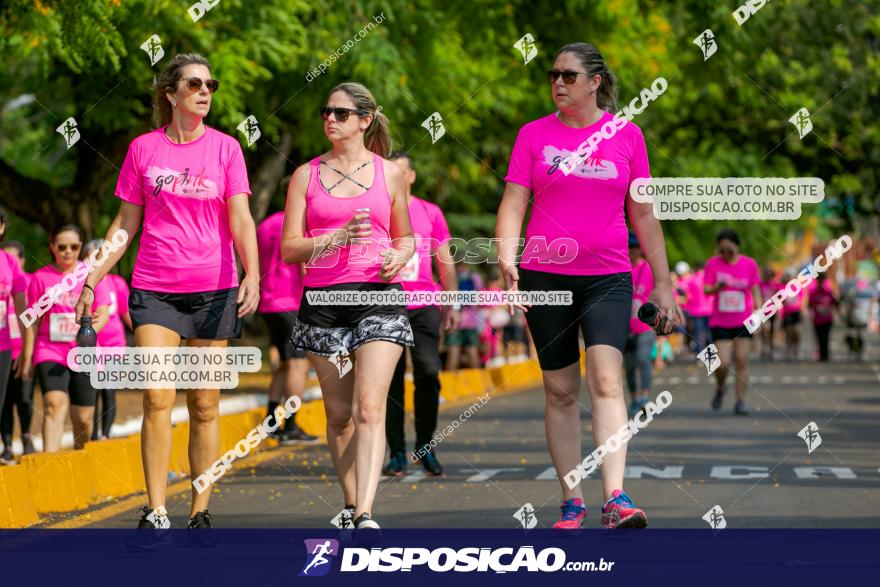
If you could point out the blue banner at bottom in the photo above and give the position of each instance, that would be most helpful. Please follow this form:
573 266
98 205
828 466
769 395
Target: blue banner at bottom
436 556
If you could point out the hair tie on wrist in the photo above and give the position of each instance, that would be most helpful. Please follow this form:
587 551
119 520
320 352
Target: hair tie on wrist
90 287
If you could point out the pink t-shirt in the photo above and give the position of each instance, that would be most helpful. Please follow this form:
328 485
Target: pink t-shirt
698 303
431 231
643 285
821 303
280 284
733 303
588 204
12 320
113 333
186 244
12 281
57 333
471 315
358 262
793 304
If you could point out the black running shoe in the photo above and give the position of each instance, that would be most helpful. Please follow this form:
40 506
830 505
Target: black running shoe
295 435
154 529
716 401
202 534
740 408
432 465
28 445
366 530
396 467
7 458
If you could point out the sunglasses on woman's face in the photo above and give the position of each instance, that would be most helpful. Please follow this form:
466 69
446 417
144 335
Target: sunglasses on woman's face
341 114
727 251
568 76
195 84
73 248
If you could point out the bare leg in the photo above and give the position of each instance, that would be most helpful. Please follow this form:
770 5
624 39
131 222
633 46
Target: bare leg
156 427
82 418
204 429
374 368
605 383
55 405
562 422
338 393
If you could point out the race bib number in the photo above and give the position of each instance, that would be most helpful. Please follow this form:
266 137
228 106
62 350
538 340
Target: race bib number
732 301
3 318
114 304
823 310
62 327
410 271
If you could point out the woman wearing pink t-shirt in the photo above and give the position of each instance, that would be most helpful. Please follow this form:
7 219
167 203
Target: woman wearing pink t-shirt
19 390
345 209
734 279
56 330
586 206
822 302
792 309
186 184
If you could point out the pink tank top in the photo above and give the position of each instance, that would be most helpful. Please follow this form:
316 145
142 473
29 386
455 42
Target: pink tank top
358 262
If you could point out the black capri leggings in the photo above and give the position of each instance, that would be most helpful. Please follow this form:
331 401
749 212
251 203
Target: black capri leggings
57 377
20 398
601 306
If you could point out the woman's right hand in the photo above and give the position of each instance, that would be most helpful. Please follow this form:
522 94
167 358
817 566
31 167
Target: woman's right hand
355 230
84 303
510 274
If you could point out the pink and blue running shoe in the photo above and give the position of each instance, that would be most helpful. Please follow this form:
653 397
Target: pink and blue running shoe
621 512
573 515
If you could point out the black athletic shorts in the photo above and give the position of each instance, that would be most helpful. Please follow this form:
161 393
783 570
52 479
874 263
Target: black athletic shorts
324 329
601 307
793 318
211 315
58 377
280 326
729 333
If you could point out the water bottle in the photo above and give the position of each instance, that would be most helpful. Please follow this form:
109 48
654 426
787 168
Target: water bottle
363 222
649 314
86 337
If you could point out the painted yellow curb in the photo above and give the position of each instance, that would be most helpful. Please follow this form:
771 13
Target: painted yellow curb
16 506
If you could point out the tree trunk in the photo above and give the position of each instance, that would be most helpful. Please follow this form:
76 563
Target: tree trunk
268 176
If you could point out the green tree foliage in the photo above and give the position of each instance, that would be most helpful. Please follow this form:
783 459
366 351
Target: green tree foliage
727 116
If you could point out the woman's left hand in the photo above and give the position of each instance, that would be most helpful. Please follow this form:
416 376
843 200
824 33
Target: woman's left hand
665 301
248 296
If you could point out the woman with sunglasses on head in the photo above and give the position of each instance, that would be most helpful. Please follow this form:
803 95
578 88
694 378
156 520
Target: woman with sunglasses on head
56 330
186 184
344 209
586 205
735 280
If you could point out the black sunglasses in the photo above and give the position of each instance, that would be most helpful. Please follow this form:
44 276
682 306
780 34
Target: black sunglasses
73 248
195 84
341 114
568 76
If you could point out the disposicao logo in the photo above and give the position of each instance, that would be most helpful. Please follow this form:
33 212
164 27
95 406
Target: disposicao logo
320 553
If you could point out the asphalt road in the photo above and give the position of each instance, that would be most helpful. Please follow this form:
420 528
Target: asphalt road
687 461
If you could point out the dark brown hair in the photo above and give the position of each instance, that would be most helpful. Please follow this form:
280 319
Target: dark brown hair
594 64
167 83
377 137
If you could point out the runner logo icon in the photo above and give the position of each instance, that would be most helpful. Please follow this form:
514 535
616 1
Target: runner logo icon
320 553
